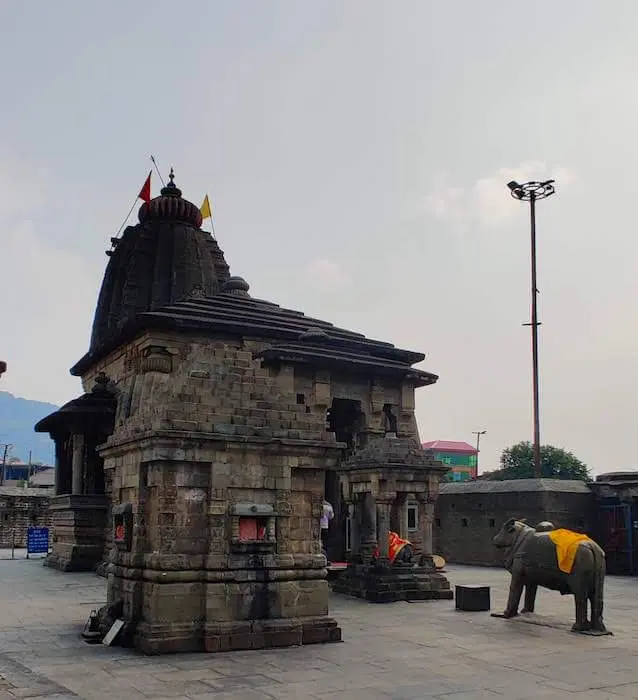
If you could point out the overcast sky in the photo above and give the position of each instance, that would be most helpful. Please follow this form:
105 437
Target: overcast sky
356 155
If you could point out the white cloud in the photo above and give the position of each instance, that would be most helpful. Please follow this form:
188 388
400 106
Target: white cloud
22 187
487 201
324 273
48 296
444 202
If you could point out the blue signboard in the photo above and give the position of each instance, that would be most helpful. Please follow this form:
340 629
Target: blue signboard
38 540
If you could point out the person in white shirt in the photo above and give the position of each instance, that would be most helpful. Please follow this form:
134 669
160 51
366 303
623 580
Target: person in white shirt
326 516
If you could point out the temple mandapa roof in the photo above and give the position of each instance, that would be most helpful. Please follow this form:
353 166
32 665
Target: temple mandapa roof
296 337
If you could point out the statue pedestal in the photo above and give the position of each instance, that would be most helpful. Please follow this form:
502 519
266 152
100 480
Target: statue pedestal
379 584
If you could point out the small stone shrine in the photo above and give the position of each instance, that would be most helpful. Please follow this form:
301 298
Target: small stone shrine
222 419
382 482
78 511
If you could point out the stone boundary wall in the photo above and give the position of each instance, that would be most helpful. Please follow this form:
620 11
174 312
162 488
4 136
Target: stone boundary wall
19 510
468 515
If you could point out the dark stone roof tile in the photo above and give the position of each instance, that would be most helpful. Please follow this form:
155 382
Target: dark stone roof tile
240 315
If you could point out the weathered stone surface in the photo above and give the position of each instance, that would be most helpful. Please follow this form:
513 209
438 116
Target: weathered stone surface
78 524
20 509
377 585
394 651
469 514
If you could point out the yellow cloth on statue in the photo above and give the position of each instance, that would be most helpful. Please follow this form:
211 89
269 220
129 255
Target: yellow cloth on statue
567 543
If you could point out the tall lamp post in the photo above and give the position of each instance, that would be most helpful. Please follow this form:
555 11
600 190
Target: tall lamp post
531 192
478 434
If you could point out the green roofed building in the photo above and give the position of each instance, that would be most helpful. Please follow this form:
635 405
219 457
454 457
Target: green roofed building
461 457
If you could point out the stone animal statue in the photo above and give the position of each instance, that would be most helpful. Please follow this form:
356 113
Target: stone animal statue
544 526
560 560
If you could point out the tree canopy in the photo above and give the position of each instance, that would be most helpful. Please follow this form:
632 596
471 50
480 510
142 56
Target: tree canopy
517 462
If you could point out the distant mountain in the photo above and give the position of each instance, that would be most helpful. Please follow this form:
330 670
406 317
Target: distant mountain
17 418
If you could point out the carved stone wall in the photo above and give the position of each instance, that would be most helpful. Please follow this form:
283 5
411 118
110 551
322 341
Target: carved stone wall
216 432
217 386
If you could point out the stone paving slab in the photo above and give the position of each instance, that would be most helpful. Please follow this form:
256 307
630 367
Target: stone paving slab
399 651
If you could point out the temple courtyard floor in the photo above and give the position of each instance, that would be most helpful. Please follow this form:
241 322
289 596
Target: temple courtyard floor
404 651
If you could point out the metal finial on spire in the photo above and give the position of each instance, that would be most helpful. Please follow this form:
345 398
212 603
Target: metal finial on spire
171 189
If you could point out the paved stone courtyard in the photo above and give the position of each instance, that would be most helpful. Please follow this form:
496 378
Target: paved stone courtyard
404 651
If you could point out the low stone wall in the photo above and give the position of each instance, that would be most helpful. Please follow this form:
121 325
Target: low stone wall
20 509
469 514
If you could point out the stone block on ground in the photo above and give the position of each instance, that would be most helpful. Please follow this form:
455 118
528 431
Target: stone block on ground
473 598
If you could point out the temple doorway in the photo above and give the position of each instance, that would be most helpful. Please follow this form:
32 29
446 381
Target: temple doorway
346 420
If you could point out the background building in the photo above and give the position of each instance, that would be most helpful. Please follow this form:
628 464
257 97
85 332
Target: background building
17 472
461 457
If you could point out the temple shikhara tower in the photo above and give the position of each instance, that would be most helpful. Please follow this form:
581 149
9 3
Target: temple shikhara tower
193 470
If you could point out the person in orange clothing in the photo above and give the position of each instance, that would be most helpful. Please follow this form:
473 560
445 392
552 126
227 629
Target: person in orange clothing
399 550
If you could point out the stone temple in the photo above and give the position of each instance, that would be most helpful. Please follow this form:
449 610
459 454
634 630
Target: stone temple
192 472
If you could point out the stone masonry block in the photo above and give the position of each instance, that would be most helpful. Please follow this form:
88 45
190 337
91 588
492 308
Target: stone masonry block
407 397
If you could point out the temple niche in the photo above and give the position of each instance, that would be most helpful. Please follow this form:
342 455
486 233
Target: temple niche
231 419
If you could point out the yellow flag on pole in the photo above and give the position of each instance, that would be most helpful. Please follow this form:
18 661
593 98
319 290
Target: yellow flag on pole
205 209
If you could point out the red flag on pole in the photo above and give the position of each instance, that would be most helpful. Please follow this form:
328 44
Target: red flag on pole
145 192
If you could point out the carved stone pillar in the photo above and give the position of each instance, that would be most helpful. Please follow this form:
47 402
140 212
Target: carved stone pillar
354 511
402 515
384 529
369 525
58 466
77 465
426 519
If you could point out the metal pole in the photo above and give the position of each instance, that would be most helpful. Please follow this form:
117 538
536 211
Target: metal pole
478 434
531 191
535 324
4 463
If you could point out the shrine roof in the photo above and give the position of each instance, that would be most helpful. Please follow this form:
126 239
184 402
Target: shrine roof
88 408
392 451
449 446
295 336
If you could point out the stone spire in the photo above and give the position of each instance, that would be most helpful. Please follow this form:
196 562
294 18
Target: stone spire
156 263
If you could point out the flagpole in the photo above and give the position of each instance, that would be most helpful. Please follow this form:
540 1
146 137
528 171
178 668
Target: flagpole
145 186
127 218
210 215
157 170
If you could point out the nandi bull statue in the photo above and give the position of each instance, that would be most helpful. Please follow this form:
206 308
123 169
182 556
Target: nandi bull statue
560 560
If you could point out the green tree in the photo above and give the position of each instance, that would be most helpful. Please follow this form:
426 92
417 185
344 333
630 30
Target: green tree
517 462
